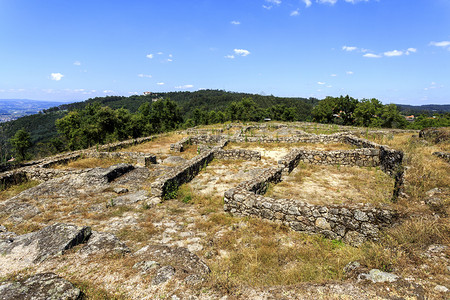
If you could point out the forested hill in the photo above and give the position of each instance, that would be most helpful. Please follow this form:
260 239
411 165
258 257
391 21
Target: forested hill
204 99
193 105
429 109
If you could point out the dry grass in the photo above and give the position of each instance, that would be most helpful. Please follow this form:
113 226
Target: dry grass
17 189
160 144
318 184
91 162
425 171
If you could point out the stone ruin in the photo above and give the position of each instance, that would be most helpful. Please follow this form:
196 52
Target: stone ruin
350 223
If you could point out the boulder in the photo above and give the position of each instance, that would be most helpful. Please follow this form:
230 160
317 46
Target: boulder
45 286
32 248
376 276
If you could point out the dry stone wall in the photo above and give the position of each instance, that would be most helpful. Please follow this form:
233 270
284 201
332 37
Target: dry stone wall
166 186
352 224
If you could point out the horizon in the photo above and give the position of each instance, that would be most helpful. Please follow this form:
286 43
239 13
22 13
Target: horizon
72 51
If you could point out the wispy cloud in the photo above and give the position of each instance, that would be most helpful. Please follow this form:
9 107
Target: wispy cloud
276 2
333 75
349 73
56 76
229 56
235 22
443 44
77 63
160 83
307 3
108 92
149 56
267 7
372 55
186 86
410 50
295 13
321 83
332 2
144 76
241 52
347 48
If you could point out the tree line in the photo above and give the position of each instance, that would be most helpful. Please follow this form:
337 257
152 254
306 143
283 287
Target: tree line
371 113
92 123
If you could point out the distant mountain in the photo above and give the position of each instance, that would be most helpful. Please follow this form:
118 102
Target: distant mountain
12 109
27 104
428 109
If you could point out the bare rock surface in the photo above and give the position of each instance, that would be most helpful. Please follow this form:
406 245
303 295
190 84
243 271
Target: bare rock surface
18 211
46 286
103 242
130 198
32 248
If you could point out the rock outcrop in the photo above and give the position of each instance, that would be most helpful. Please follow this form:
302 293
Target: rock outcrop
45 286
24 250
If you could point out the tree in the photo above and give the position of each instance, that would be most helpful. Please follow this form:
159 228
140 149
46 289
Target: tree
367 111
21 143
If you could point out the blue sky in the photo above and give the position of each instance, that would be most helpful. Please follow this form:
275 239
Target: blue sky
395 50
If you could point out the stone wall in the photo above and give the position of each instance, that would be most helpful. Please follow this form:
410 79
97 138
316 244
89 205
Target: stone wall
301 138
237 154
181 145
166 186
358 157
352 224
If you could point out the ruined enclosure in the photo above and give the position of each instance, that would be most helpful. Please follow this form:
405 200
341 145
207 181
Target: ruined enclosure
284 180
335 184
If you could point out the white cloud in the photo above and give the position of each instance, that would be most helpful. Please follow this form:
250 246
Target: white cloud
160 83
149 56
133 93
267 7
160 53
186 86
108 91
307 3
229 56
333 75
440 44
241 52
276 2
77 63
169 59
393 53
332 2
144 76
410 50
56 76
347 48
295 13
170 55
235 22
321 83
371 55
355 1
349 72
329 86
